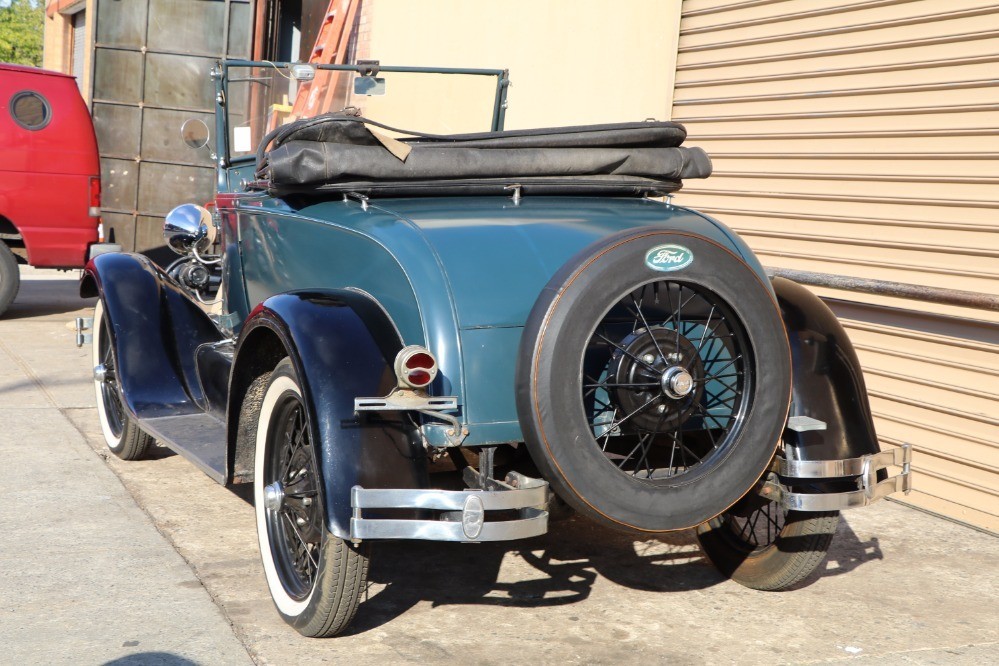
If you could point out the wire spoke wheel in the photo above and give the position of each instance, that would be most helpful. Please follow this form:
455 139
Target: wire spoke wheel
109 391
122 433
666 380
315 577
295 526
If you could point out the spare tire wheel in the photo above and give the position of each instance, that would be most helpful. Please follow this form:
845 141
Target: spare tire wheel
653 380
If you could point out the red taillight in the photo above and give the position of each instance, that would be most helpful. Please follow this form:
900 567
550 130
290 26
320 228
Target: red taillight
415 367
95 197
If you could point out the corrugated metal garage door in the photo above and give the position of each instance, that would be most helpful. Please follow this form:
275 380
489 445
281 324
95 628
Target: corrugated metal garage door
862 138
79 46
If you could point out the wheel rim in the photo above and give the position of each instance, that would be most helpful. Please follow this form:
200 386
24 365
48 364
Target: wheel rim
667 381
291 498
756 529
114 411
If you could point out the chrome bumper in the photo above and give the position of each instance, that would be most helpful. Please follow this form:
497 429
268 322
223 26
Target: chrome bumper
864 469
464 513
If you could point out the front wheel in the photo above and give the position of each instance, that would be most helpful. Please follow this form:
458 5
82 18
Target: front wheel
122 435
315 578
762 546
10 279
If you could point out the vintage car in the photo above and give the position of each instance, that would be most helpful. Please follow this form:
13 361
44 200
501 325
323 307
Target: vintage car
402 335
49 149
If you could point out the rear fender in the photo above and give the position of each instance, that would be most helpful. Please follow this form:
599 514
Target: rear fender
828 381
156 331
341 344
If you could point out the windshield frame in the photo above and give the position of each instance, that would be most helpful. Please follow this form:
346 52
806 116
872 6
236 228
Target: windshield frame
222 78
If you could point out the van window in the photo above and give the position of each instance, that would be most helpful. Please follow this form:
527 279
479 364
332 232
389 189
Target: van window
30 110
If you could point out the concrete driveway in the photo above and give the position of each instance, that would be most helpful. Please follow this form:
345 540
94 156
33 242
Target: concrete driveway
152 562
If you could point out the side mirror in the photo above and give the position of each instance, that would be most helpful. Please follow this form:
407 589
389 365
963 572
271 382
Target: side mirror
195 133
186 228
369 85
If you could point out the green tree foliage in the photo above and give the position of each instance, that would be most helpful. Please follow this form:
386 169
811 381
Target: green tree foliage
21 31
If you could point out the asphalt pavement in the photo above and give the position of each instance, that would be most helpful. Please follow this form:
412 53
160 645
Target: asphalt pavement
151 562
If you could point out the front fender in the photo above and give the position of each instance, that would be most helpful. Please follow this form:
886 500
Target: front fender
342 344
156 329
828 381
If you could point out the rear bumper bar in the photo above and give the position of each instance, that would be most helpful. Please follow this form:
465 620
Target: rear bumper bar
864 470
464 514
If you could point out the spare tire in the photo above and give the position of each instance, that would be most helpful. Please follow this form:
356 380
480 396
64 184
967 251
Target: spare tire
653 380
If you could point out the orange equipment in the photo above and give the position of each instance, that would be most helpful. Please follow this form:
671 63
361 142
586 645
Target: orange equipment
321 94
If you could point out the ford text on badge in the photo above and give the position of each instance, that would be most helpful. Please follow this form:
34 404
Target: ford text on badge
668 258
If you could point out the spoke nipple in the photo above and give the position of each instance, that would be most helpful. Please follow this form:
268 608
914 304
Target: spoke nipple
661 408
300 520
675 358
649 358
307 501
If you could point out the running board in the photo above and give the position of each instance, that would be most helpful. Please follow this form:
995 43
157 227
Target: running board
864 470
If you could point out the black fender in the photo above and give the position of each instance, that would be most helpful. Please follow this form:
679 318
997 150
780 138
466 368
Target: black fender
156 330
828 383
341 344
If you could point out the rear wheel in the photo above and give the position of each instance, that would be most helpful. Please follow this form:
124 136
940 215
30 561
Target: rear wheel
763 546
315 578
10 278
125 439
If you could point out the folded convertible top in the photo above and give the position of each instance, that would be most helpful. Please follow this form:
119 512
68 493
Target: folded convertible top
350 154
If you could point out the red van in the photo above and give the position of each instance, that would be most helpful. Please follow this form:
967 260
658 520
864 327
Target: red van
50 175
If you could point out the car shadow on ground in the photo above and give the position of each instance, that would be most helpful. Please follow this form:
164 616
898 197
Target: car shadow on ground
568 560
41 298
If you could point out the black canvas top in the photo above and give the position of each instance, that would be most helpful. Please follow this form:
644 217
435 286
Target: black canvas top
346 153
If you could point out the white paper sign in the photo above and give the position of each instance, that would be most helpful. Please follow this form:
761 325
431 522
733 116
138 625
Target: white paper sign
242 141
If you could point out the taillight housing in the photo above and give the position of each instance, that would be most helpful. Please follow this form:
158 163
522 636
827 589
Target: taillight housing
415 367
95 197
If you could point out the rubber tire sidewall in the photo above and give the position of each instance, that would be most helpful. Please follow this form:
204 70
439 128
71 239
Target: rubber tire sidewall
794 555
332 603
10 277
549 384
133 443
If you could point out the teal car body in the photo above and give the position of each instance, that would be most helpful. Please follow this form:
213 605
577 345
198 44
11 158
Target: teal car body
457 275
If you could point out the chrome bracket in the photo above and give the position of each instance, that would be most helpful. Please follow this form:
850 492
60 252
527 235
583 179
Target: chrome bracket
411 400
83 324
863 469
804 424
464 515
515 189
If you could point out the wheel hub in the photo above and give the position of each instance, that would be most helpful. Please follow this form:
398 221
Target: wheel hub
677 382
100 373
658 365
274 496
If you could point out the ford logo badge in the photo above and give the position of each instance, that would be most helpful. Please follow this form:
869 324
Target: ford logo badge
668 258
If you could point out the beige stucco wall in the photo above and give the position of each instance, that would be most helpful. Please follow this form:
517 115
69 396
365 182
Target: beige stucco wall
570 63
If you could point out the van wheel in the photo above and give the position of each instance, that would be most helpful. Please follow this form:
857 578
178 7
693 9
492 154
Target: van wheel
10 279
122 435
315 578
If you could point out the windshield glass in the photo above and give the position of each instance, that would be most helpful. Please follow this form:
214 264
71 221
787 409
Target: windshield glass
263 96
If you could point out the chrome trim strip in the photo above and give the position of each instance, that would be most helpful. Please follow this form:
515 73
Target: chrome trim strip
447 500
847 500
468 522
864 468
825 469
444 530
